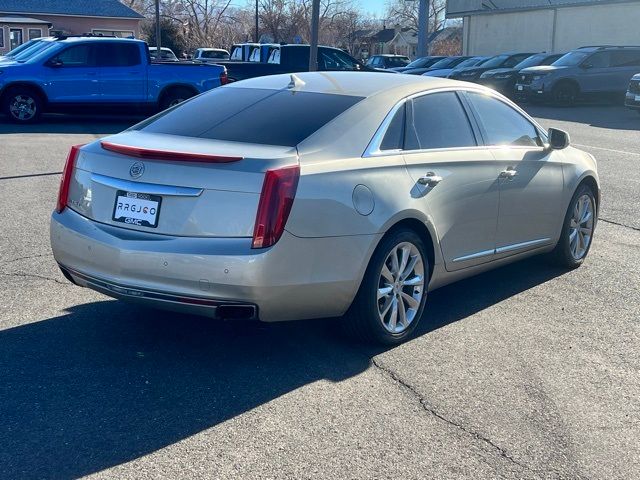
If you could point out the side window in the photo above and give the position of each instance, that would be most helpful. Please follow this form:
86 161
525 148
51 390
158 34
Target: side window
394 136
76 56
625 58
438 120
513 61
502 124
598 60
335 60
118 55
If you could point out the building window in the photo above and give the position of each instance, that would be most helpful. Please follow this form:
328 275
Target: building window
1 37
113 33
34 33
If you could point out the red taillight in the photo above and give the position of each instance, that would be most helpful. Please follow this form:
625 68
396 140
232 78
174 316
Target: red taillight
224 78
276 199
65 181
143 152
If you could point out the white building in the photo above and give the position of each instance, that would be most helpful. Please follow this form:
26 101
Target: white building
495 26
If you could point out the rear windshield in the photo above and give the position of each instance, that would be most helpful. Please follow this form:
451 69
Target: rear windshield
251 115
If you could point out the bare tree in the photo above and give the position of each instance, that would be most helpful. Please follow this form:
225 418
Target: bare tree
405 13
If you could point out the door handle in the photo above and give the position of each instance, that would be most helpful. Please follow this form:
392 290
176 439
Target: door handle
509 173
430 179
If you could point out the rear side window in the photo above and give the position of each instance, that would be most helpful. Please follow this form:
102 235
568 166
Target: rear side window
118 55
502 125
625 58
394 136
251 115
438 121
599 60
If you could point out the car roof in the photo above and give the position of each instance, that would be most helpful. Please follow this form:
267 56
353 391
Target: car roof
98 39
362 84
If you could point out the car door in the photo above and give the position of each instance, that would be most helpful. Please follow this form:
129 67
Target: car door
596 74
456 181
530 179
122 73
72 76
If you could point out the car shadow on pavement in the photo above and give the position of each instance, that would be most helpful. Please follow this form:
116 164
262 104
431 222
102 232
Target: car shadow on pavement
72 124
106 382
602 115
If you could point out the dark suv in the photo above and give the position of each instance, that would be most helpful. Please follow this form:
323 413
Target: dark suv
583 72
387 61
632 99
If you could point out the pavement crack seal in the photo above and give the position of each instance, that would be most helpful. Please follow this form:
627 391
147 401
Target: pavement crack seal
430 409
600 219
33 275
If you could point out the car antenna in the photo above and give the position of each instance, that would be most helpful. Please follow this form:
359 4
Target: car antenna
295 82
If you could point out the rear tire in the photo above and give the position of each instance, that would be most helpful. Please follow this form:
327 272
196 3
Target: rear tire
565 94
577 230
22 105
174 97
393 293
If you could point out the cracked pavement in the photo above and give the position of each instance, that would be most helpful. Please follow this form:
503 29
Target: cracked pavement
525 372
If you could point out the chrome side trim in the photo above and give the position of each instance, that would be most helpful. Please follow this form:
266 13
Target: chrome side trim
150 188
518 246
505 249
484 253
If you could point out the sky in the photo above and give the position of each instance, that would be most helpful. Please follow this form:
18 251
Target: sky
376 7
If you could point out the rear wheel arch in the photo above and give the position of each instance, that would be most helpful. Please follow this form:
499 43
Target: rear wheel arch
423 232
169 90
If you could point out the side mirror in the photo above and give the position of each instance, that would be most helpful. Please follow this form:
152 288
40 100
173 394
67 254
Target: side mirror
55 63
587 65
558 139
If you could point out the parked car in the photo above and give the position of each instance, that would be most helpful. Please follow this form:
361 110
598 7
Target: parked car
92 72
166 55
290 59
445 72
211 54
387 61
505 60
422 62
632 98
584 72
504 79
446 62
218 208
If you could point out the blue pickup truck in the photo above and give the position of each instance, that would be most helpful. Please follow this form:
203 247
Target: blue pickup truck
74 73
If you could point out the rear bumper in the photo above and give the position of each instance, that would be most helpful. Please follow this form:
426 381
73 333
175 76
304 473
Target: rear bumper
295 279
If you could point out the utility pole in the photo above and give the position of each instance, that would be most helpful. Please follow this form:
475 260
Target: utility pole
423 28
257 21
158 40
315 24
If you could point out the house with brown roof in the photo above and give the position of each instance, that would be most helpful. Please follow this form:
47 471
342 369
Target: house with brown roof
24 20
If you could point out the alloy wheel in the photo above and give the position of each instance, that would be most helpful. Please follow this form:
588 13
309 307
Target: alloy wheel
400 287
23 107
581 227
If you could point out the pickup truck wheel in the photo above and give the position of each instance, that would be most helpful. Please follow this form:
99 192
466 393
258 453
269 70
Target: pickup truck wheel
22 105
174 97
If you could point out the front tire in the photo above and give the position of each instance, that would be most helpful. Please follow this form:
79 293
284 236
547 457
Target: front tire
565 94
578 228
22 105
392 296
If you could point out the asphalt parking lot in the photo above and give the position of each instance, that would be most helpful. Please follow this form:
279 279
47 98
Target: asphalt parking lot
528 371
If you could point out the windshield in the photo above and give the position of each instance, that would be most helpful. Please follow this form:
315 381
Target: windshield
571 58
531 61
397 61
471 62
22 48
496 61
445 63
33 50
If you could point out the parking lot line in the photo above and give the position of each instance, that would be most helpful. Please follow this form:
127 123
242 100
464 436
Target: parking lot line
608 149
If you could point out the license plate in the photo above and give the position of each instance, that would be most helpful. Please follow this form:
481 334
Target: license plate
137 208
520 88
637 98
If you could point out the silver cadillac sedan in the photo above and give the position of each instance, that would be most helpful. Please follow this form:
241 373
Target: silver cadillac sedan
345 194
